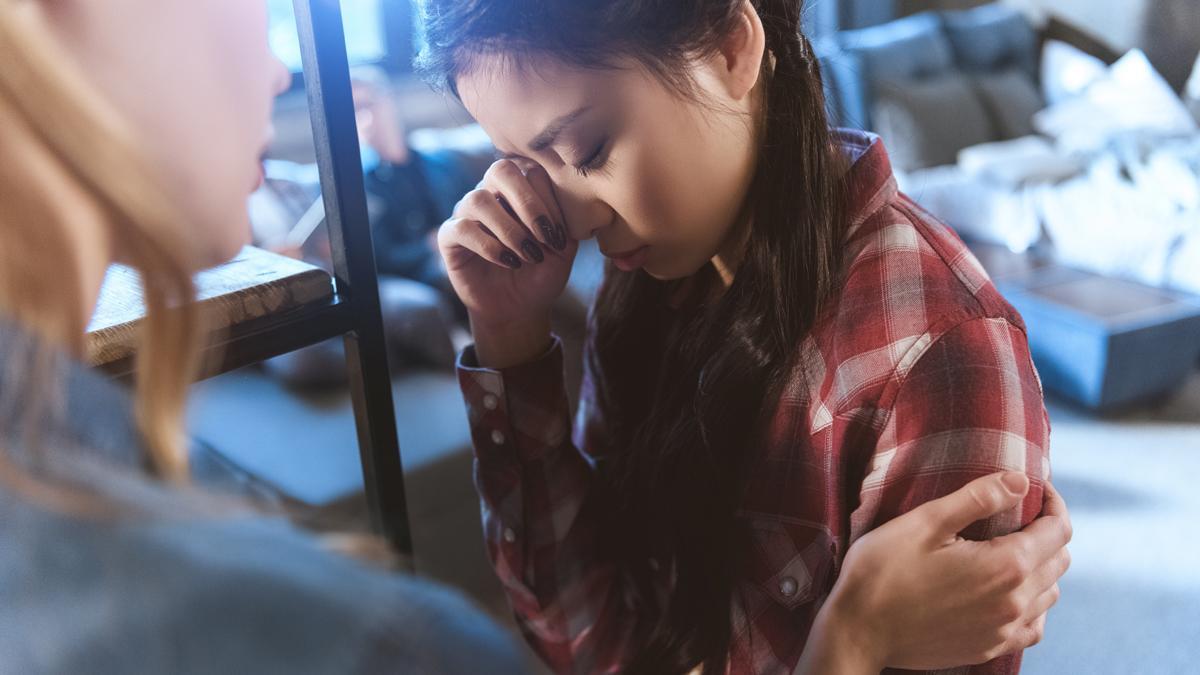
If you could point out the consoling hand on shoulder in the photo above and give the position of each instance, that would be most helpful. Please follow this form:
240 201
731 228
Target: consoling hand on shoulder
913 594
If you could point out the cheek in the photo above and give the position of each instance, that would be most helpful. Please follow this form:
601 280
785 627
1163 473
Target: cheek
221 134
680 196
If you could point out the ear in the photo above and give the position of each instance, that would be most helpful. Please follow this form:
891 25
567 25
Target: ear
741 53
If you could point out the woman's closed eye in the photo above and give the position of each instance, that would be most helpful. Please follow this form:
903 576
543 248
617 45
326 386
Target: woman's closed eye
595 159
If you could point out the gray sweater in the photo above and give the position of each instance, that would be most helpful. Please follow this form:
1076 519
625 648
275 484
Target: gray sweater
178 582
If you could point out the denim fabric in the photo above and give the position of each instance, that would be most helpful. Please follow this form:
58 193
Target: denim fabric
180 582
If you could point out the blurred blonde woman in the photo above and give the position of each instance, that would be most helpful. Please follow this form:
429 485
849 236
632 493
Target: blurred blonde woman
132 131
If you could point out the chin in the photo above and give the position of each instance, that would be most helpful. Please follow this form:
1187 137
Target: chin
668 272
661 275
224 249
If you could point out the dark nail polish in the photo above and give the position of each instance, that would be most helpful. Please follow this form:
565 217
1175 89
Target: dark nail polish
560 237
548 232
533 250
509 258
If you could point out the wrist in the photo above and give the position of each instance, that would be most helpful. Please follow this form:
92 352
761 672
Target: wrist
500 345
843 641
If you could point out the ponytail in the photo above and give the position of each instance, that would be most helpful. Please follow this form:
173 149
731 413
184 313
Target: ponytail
688 459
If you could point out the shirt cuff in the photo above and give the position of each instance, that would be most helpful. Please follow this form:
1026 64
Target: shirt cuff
522 409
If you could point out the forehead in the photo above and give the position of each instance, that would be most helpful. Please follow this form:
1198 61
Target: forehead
514 100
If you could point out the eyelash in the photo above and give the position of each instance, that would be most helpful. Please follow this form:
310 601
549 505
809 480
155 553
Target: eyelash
593 163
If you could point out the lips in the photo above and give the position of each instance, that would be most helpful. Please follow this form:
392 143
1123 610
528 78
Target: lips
262 176
629 260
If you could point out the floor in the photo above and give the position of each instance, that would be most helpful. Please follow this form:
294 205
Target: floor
1131 601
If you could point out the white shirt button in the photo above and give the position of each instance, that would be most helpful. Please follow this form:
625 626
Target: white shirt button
498 437
491 402
788 587
510 535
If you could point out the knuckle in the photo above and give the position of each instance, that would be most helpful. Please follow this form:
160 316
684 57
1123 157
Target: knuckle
1035 636
1012 579
981 497
1010 635
1011 609
453 230
1021 565
449 229
505 169
527 202
477 199
537 172
1068 530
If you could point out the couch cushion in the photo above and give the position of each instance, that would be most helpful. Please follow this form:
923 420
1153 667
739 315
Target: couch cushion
1011 99
910 48
926 122
845 97
992 37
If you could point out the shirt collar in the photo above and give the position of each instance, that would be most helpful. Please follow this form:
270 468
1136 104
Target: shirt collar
872 183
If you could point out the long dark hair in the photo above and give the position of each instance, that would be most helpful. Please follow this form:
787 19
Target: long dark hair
684 395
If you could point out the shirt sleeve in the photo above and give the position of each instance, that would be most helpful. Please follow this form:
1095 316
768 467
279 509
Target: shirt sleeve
969 405
540 514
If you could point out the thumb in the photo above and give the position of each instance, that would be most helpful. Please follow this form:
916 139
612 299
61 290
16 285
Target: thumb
977 500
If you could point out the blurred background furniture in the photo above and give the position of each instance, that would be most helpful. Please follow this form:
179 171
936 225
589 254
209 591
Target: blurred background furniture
986 114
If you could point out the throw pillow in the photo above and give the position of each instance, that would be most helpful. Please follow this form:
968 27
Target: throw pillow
992 37
913 47
1011 99
1131 99
1068 71
925 123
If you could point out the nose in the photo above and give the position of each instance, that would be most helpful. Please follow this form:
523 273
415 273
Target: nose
585 213
282 79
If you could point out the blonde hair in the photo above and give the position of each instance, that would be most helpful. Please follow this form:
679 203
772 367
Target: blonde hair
85 173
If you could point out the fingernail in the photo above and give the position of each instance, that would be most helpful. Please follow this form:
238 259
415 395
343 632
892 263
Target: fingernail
547 229
533 250
1015 482
509 258
560 237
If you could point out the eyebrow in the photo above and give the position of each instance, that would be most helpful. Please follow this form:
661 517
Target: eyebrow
552 131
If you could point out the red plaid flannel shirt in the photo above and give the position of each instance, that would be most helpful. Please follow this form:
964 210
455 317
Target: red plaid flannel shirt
917 380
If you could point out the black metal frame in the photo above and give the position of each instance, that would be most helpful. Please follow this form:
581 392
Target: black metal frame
327 76
399 36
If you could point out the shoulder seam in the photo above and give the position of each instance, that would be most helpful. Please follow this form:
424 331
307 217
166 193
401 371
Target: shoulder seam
896 382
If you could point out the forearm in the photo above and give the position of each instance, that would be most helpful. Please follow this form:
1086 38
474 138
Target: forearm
541 521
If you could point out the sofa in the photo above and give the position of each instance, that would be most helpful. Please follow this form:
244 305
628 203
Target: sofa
934 83
1033 174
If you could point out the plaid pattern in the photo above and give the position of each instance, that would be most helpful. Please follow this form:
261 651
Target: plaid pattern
916 380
